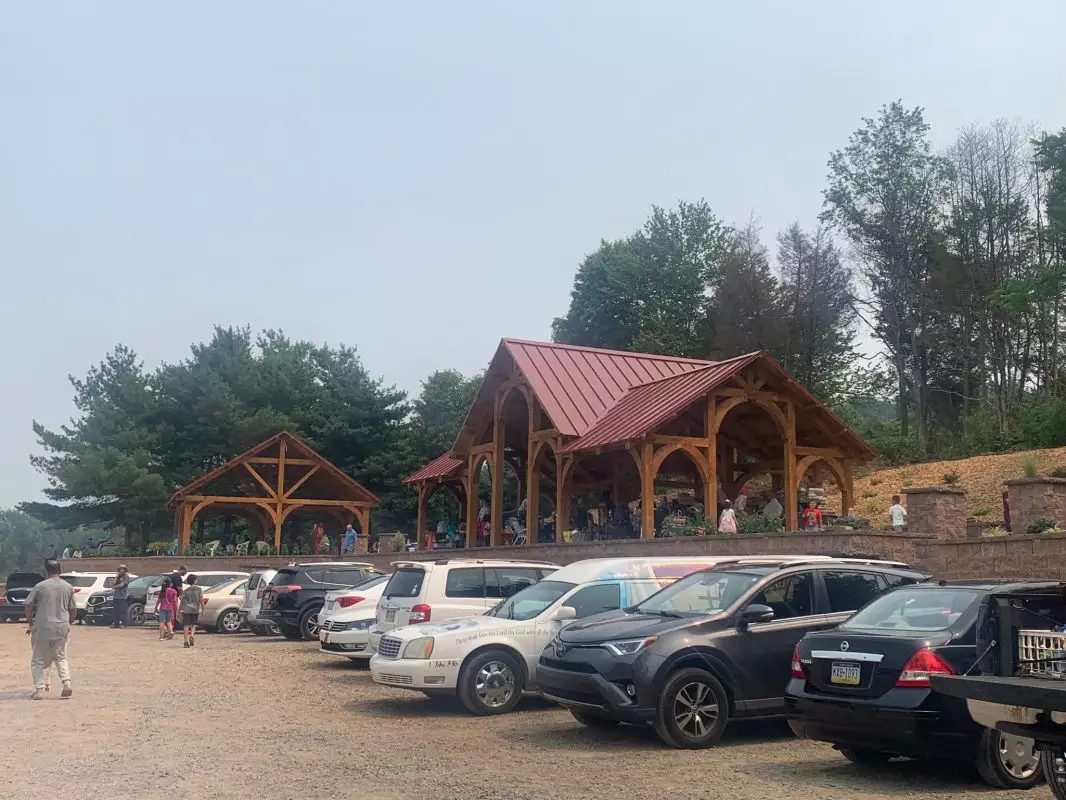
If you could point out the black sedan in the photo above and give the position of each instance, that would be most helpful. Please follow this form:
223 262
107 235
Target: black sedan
864 686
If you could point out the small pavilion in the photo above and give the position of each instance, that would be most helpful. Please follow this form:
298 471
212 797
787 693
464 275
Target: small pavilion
267 483
572 419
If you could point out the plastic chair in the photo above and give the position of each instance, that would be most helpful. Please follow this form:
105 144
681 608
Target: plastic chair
211 548
242 549
261 548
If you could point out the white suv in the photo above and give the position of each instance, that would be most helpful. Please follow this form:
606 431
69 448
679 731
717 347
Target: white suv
421 591
253 600
85 583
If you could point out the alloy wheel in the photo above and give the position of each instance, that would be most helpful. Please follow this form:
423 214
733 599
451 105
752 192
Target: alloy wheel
311 626
231 622
1019 756
494 684
695 709
135 615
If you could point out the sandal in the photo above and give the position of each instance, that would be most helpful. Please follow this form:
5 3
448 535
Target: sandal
37 695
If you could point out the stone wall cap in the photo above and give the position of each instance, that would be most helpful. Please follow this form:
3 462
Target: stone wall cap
935 490
1025 481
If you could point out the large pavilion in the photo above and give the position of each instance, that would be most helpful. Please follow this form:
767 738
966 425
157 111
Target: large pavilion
574 419
269 482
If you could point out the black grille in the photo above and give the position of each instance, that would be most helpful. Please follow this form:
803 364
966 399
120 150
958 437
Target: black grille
569 666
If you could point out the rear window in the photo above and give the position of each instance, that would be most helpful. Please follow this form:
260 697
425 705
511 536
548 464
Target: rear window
283 578
214 580
254 581
405 582
80 581
914 609
377 580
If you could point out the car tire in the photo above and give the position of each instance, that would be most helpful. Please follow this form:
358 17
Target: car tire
135 615
269 629
491 683
308 630
1008 762
229 621
1054 763
594 720
865 757
693 710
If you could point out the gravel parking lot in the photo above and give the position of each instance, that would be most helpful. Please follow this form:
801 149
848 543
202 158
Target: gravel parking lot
243 717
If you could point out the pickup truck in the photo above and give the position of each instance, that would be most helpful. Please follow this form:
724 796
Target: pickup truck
1020 687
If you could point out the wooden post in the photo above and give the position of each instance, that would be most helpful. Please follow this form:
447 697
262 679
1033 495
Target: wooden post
710 488
791 488
847 491
562 494
473 482
532 488
421 535
186 528
496 524
647 491
279 519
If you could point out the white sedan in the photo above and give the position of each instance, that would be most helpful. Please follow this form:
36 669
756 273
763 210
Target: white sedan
346 617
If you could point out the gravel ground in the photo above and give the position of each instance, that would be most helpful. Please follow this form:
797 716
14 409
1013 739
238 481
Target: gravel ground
244 717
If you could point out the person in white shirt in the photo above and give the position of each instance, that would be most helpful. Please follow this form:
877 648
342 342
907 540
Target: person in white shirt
897 514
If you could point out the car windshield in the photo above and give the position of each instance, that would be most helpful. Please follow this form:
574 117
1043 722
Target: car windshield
701 593
531 601
914 609
80 581
145 582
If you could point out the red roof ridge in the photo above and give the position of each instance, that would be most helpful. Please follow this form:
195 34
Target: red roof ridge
707 365
626 353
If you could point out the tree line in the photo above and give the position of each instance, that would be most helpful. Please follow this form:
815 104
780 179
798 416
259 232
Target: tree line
951 263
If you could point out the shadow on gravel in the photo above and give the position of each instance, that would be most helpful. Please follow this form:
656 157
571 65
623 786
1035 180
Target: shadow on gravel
413 707
338 664
568 738
898 777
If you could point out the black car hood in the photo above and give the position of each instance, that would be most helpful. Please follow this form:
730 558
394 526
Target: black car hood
625 625
23 580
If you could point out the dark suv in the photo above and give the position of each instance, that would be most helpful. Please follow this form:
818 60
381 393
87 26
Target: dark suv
100 608
13 601
296 594
713 646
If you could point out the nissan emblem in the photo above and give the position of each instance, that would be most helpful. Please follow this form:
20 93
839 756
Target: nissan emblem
844 646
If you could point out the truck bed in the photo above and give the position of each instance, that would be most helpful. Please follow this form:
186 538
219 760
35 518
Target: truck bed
1040 693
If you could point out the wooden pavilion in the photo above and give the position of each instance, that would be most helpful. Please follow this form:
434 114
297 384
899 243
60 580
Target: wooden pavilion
269 482
572 419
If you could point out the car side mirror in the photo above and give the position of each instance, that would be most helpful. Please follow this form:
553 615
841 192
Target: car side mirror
756 612
564 614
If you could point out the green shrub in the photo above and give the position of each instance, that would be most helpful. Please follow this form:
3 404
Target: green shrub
1029 468
997 531
1058 472
1041 525
758 523
876 481
983 511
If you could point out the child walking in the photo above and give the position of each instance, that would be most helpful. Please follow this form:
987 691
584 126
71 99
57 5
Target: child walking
165 607
727 522
191 599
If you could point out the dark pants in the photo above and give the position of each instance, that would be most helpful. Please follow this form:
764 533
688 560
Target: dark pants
120 611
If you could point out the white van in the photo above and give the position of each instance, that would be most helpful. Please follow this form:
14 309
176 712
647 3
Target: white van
424 591
489 660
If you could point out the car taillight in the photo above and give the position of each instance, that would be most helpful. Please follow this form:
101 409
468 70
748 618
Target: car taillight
921 665
203 601
291 587
345 602
419 613
797 665
76 590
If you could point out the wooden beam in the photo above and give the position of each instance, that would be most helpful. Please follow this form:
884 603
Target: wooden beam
545 435
769 397
694 441
823 452
532 486
791 486
302 462
301 482
280 519
482 448
262 481
262 500
647 491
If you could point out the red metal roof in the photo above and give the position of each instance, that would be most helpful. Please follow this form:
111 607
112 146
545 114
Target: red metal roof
645 407
576 386
443 466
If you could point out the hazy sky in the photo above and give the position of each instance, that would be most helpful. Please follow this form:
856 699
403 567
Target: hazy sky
360 173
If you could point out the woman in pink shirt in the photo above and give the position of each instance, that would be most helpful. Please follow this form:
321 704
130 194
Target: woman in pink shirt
165 606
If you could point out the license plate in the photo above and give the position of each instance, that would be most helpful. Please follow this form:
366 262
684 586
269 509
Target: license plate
325 639
845 674
390 615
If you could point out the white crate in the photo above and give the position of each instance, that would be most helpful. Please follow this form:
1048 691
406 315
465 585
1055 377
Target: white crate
1042 654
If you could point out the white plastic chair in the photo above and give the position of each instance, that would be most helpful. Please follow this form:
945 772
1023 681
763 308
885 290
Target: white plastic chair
211 548
261 548
518 531
242 549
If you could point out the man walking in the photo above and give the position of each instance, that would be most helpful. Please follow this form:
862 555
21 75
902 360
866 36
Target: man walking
50 611
349 539
177 578
121 587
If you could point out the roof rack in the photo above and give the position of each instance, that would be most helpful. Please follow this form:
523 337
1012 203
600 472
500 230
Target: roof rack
870 562
469 560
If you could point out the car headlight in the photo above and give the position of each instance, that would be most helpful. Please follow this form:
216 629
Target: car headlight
360 625
421 647
627 647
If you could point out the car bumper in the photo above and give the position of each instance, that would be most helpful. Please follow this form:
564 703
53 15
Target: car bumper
914 732
415 673
100 615
590 692
283 618
12 611
353 644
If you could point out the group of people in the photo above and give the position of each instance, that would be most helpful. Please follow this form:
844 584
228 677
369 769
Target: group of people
179 594
345 543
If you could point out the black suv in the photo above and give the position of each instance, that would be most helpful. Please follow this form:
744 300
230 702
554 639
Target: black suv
715 645
296 594
100 607
13 601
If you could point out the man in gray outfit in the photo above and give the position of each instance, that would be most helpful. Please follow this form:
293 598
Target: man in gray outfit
50 611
